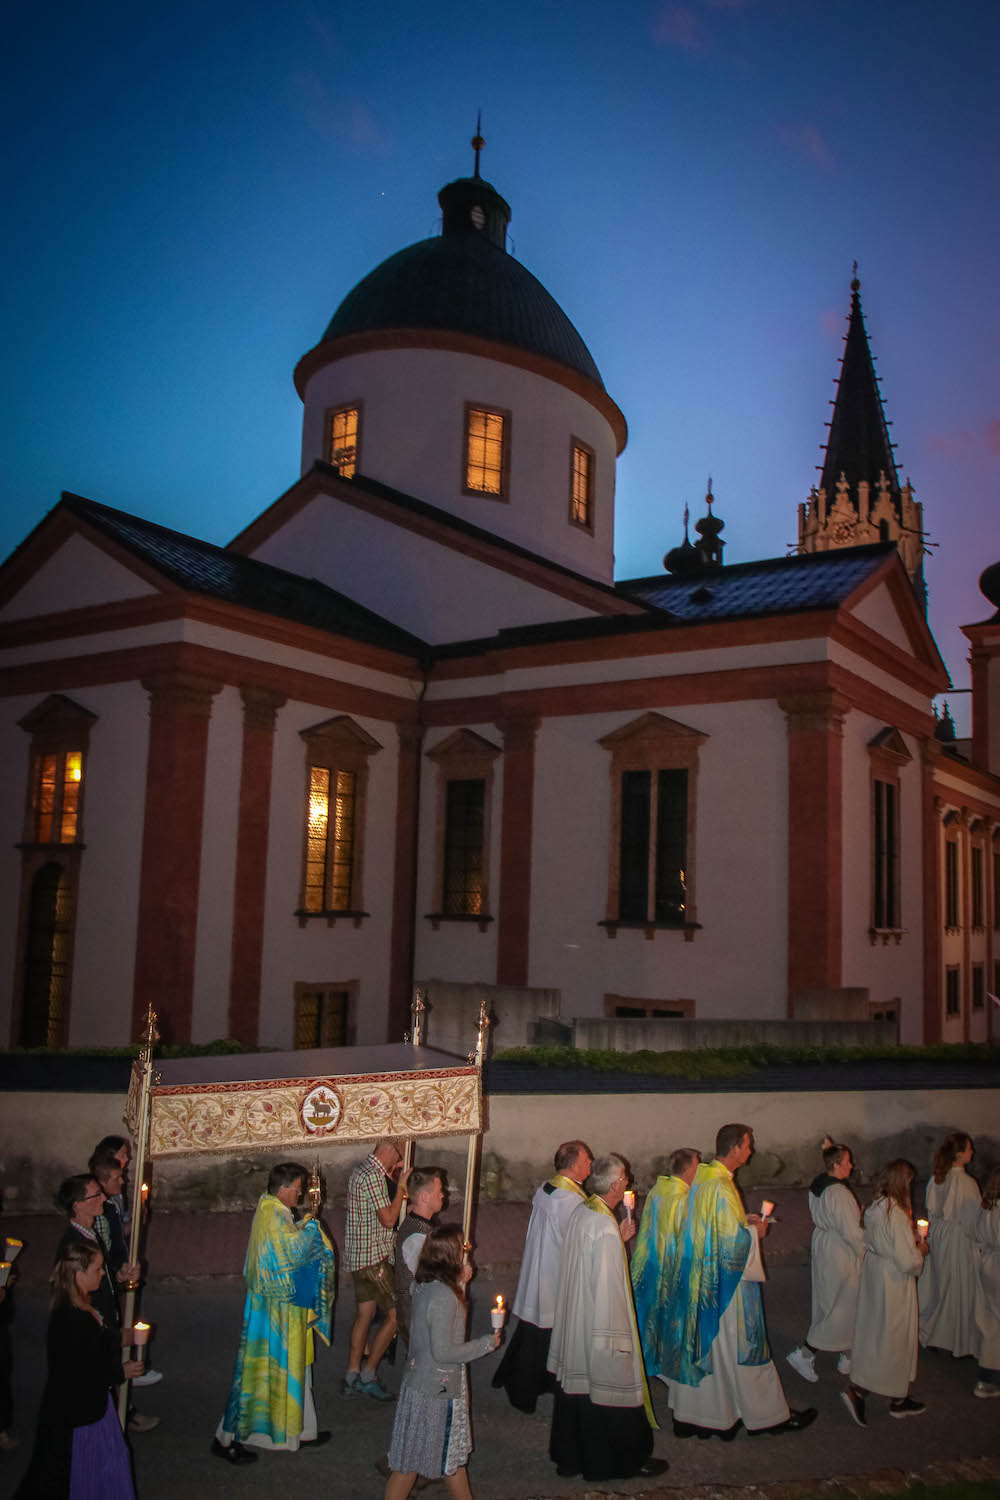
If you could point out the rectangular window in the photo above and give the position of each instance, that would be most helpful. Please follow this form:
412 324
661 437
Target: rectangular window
978 918
581 486
322 1015
951 884
486 440
978 987
951 991
343 431
885 906
653 846
330 839
55 797
464 848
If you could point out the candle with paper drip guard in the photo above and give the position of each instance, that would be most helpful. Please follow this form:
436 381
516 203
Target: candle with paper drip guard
140 1335
766 1209
628 1198
922 1228
497 1314
12 1249
4 1271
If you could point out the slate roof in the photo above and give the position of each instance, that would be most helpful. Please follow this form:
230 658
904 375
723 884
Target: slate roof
206 569
462 283
779 585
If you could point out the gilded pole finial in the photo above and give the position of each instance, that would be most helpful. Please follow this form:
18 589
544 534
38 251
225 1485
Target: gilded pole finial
482 1026
417 1009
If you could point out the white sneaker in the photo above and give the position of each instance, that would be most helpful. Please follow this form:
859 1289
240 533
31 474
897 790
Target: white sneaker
149 1377
803 1364
844 1365
984 1389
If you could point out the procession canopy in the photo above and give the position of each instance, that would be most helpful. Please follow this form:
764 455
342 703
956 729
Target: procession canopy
328 1096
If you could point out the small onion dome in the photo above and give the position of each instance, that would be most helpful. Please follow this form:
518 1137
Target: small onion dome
944 729
709 526
684 561
989 585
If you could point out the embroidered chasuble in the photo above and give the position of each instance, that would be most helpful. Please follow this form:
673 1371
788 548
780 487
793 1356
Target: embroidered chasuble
656 1258
716 1244
289 1273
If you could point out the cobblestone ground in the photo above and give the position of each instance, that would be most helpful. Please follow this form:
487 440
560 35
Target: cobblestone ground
197 1328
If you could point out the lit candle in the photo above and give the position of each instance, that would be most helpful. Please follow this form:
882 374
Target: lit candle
628 1198
922 1228
4 1271
766 1208
144 1193
140 1333
497 1314
12 1249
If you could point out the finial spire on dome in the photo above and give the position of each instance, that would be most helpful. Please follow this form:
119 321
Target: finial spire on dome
855 283
477 143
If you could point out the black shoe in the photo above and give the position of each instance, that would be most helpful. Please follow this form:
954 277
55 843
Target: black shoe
567 1473
651 1468
730 1432
235 1454
797 1421
906 1408
855 1405
684 1429
317 1441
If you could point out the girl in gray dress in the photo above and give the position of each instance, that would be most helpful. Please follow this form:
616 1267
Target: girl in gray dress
431 1434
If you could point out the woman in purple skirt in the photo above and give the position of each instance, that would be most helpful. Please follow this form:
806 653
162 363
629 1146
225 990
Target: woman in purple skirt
80 1451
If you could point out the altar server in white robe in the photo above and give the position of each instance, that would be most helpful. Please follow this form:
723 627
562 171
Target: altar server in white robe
523 1370
988 1290
836 1253
884 1357
602 1417
716 1354
947 1291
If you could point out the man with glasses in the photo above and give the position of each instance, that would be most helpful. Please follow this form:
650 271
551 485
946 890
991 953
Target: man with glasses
372 1214
602 1419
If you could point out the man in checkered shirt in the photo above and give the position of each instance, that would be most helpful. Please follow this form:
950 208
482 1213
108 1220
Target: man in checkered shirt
373 1204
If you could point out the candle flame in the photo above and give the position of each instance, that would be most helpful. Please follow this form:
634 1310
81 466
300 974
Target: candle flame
499 1303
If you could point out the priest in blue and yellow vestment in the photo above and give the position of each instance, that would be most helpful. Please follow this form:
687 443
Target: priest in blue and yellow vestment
656 1255
714 1344
289 1273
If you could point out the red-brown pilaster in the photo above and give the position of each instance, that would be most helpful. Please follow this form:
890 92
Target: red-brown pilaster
930 805
815 838
979 660
180 705
260 711
514 907
404 885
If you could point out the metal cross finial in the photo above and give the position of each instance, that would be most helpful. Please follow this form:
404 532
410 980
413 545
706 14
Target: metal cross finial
687 517
477 142
709 497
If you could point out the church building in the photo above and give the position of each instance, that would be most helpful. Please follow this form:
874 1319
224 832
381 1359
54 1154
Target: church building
407 725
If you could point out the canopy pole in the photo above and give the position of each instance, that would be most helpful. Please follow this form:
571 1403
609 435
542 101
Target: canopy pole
145 1060
472 1162
414 1035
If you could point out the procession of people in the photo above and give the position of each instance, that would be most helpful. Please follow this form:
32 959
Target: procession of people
607 1304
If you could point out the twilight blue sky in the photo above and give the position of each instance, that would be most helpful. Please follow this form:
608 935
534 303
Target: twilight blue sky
192 189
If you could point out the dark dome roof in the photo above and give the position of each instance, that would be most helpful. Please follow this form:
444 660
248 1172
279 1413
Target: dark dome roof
462 282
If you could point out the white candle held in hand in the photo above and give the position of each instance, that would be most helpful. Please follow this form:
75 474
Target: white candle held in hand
766 1208
140 1333
497 1314
922 1228
628 1199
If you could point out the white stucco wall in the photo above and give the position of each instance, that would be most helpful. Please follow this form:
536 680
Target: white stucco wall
435 592
412 437
736 964
878 611
894 970
76 575
316 953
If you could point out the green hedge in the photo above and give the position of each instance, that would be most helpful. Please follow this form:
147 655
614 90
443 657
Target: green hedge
221 1048
731 1062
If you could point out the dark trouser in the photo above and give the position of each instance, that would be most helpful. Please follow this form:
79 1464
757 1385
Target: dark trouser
522 1372
598 1442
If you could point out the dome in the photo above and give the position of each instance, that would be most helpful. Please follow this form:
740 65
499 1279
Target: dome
464 282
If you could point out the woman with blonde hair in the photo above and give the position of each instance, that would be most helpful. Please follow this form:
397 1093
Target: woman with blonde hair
947 1291
884 1357
988 1289
431 1434
80 1451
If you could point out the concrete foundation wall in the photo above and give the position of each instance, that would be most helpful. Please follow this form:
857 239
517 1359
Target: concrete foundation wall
48 1136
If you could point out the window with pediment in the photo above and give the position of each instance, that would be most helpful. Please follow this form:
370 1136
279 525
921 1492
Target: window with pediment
465 763
651 858
337 756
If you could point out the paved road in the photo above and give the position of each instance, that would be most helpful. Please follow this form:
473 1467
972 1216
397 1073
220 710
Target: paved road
198 1325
